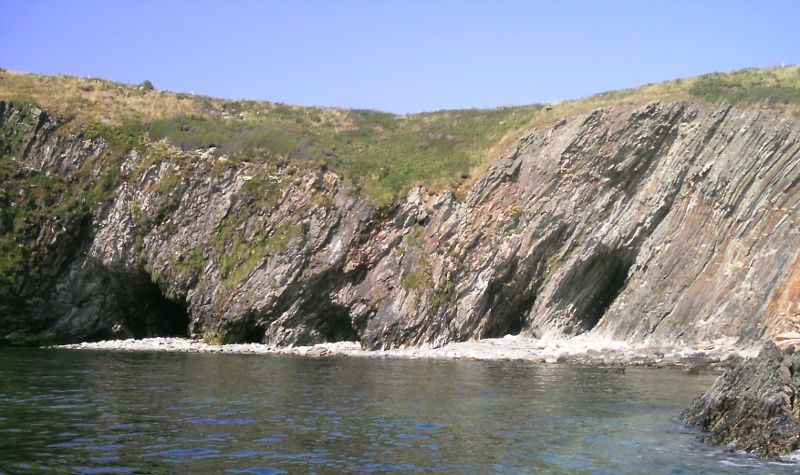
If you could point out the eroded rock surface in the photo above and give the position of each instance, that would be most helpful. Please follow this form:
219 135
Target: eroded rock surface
668 224
754 406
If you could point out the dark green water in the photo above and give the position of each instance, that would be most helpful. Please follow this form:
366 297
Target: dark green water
67 411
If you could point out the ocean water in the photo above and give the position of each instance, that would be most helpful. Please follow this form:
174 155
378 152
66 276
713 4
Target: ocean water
65 411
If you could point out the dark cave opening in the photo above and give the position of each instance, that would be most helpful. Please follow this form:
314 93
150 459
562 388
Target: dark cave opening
509 298
606 276
149 313
244 330
508 311
336 324
510 324
316 321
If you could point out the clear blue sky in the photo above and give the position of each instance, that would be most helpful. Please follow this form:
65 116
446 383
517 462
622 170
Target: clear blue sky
399 56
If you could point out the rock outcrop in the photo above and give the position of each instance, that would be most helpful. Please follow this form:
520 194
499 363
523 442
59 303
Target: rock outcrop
671 223
754 406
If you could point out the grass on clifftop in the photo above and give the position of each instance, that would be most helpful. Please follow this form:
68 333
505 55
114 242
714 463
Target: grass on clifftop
379 154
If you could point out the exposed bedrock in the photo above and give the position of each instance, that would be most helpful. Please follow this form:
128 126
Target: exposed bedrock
754 406
672 223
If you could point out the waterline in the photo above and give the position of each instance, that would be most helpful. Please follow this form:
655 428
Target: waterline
583 349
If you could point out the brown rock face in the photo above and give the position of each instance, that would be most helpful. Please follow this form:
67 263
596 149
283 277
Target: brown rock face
670 223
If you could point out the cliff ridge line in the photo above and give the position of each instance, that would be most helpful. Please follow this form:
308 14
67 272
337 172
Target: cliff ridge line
671 224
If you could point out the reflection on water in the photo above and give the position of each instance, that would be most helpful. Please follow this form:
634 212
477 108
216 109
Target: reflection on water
111 412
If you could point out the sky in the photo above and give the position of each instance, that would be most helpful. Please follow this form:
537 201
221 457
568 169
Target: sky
397 56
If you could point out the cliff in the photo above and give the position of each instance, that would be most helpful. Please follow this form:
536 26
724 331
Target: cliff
670 223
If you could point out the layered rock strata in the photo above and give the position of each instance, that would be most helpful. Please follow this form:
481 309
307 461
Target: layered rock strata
669 224
754 406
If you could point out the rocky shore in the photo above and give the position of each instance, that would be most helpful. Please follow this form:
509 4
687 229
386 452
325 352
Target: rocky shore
583 349
754 406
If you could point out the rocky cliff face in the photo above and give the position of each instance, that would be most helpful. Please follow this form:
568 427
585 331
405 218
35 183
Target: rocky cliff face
670 223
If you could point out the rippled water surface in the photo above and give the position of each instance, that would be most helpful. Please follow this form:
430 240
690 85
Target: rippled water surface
111 412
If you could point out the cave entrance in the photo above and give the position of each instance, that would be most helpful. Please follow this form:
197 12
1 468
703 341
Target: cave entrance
149 313
508 311
335 323
509 299
243 330
611 284
595 287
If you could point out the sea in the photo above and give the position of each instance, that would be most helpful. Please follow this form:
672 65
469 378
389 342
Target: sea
89 412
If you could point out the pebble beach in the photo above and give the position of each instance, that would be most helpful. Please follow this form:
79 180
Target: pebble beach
583 349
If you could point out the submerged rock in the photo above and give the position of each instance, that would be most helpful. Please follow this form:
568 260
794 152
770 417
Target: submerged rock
753 406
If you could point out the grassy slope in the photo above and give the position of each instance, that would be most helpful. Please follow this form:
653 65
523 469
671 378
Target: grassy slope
379 153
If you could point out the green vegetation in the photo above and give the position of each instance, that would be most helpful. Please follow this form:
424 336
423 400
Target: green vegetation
121 139
228 137
11 138
191 264
239 251
416 237
417 281
772 89
444 294
12 259
420 279
380 155
34 203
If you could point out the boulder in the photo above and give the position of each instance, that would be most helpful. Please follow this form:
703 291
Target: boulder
753 406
